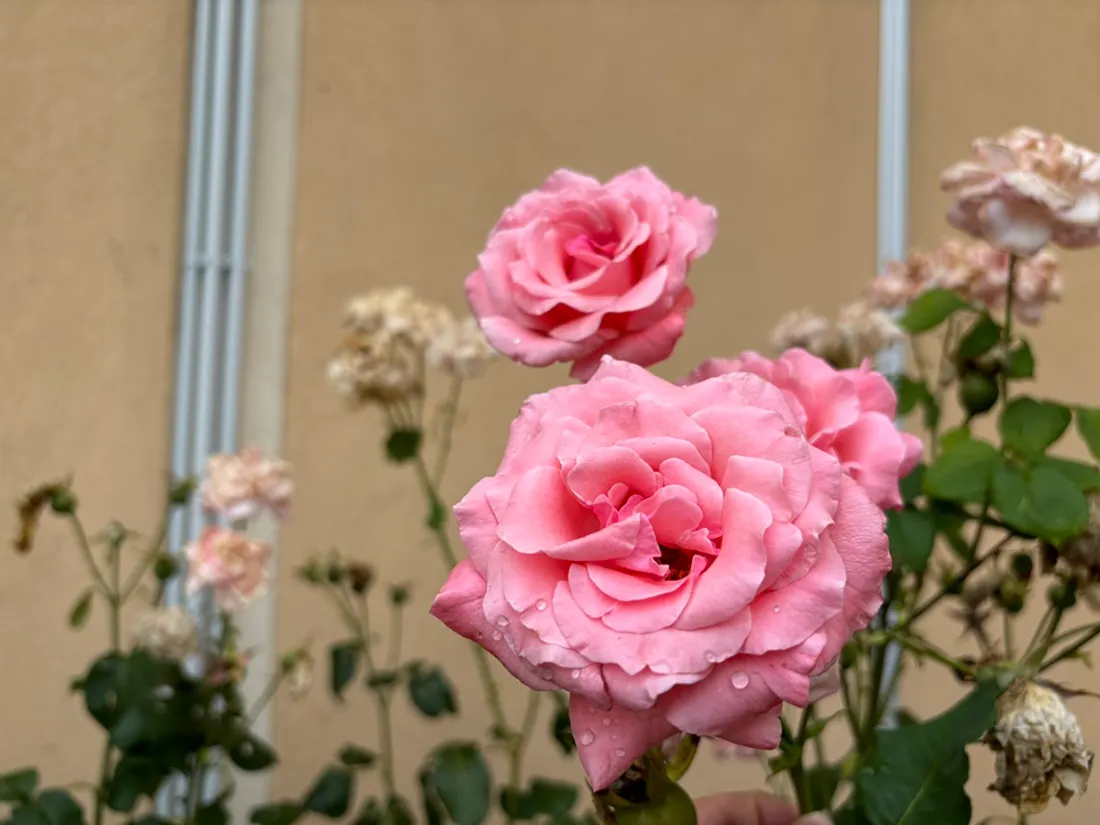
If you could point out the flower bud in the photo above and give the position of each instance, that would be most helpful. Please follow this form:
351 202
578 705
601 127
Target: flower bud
335 572
164 567
1023 566
1012 595
311 572
62 501
1040 751
668 804
978 393
399 595
360 577
180 491
1062 595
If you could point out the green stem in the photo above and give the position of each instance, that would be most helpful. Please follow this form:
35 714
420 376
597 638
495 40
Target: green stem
1072 649
519 747
147 561
114 614
923 648
851 708
268 694
450 415
394 652
956 582
385 741
86 550
1006 330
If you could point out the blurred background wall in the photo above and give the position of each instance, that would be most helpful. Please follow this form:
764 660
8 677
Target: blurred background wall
419 121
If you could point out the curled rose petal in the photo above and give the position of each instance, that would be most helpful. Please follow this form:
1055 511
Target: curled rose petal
677 558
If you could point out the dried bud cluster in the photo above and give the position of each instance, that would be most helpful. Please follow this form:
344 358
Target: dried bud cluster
168 633
389 335
977 272
859 333
1040 750
1081 554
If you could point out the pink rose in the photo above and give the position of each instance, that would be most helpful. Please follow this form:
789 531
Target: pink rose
847 413
677 558
231 564
239 485
578 269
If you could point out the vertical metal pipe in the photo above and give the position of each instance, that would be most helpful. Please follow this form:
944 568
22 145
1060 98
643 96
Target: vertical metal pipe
240 214
893 200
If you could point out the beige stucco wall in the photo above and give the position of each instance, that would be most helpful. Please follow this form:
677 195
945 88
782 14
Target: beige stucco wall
93 97
421 120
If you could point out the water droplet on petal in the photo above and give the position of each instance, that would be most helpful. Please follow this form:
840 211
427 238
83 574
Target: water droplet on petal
540 605
515 341
710 657
606 721
740 680
791 432
502 621
576 674
496 635
547 673
775 609
587 738
619 752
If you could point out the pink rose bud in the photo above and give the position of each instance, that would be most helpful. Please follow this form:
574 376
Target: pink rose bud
578 269
231 564
676 558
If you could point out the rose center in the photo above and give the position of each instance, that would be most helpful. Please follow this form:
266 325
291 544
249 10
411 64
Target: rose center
677 560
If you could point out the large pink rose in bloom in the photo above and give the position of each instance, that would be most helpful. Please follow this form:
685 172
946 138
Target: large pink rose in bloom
578 269
677 558
847 413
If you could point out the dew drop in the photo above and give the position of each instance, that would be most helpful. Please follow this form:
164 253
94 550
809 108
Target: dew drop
515 340
496 635
480 635
540 605
502 621
775 609
740 680
576 674
619 752
607 721
791 432
710 657
587 738
547 673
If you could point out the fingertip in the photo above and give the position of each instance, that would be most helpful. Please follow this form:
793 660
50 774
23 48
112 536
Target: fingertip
753 808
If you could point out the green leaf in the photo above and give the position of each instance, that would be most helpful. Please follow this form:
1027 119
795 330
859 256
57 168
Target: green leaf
18 786
403 445
461 780
398 812
133 778
212 814
151 819
277 813
1040 501
1085 476
1021 363
52 807
1088 426
962 472
931 309
1030 426
911 486
344 658
331 794
918 774
820 783
552 798
980 338
431 692
560 728
251 753
82 607
100 687
913 394
356 757
912 535
978 393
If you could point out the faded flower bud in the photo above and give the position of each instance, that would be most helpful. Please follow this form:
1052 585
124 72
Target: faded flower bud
360 577
168 633
859 333
298 670
1040 751
30 510
460 349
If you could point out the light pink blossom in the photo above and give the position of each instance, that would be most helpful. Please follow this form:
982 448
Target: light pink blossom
1027 189
239 485
230 564
847 413
677 558
578 269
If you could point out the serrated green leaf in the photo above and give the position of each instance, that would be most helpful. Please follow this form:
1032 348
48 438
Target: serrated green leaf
431 692
963 471
912 535
81 609
917 774
1030 426
434 811
1021 363
461 780
403 445
980 338
552 798
331 794
18 786
344 662
1088 426
1085 476
1039 501
931 309
57 807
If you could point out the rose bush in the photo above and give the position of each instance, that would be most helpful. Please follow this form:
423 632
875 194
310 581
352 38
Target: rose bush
578 269
677 558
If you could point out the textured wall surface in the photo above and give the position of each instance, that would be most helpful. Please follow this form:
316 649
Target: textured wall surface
422 119
91 154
